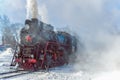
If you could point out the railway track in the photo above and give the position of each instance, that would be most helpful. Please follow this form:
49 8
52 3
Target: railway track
12 74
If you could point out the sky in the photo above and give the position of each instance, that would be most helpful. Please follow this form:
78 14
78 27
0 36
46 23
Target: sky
66 12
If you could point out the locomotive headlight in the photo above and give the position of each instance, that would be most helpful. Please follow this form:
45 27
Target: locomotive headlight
27 26
23 61
32 56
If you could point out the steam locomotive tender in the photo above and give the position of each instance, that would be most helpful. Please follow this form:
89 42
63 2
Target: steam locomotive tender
41 47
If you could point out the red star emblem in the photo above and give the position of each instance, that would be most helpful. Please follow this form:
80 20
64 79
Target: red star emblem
28 38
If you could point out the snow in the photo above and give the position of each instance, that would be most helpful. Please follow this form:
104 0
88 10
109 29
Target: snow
61 73
66 72
5 59
113 75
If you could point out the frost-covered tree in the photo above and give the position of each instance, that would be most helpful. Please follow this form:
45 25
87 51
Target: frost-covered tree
6 30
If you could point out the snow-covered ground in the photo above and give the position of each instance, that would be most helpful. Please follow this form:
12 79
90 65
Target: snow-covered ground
66 72
110 75
5 59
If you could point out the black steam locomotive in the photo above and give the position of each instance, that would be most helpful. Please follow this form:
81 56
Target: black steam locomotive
41 47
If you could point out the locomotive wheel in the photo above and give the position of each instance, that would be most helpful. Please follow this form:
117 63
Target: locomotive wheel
35 66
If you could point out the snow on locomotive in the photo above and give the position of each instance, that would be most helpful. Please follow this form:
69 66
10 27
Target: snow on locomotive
41 47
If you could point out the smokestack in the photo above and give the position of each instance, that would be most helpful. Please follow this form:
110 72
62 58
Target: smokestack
35 20
32 9
27 21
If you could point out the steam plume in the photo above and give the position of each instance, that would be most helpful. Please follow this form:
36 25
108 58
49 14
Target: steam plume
32 9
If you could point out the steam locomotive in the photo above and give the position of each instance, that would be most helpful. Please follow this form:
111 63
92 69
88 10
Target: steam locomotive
42 48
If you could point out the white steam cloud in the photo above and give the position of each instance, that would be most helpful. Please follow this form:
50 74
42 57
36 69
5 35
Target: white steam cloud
32 9
43 13
96 24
